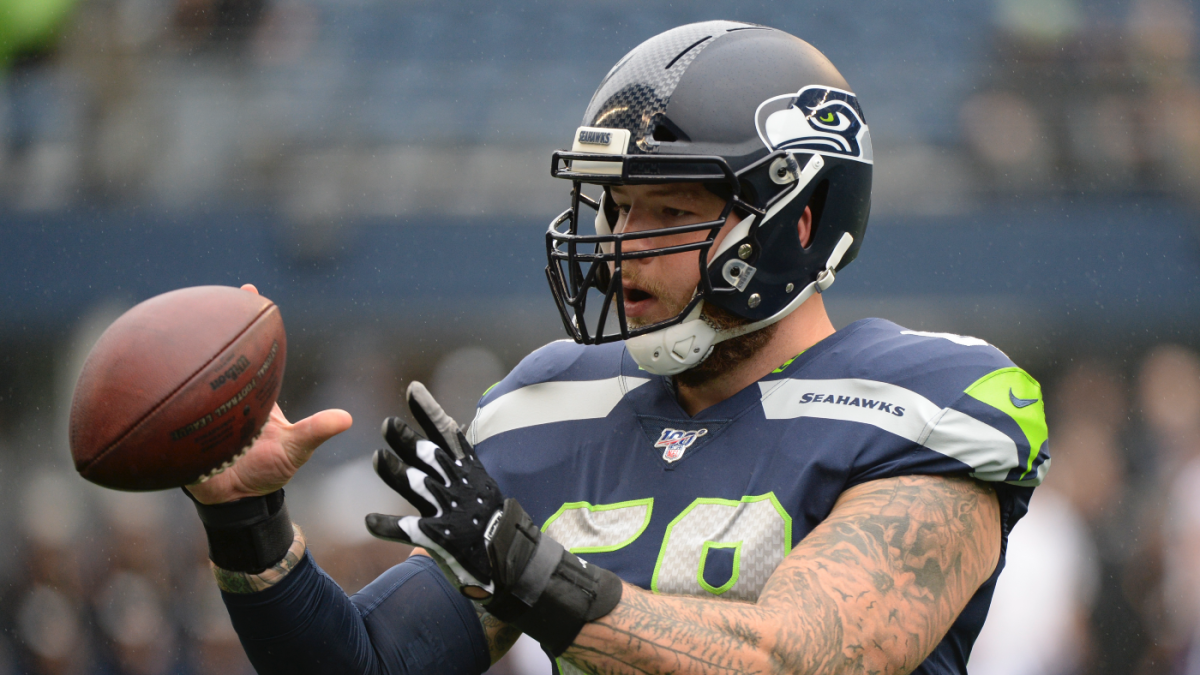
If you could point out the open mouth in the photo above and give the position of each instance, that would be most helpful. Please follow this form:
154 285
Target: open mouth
636 295
637 302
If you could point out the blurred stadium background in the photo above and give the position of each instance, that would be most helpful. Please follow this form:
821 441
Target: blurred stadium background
380 169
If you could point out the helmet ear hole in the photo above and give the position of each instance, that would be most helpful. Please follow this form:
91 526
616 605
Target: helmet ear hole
816 204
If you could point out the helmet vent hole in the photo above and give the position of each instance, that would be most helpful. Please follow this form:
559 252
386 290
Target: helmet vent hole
666 131
690 48
817 204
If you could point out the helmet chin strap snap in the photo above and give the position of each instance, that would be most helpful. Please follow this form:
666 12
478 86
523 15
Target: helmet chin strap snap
677 348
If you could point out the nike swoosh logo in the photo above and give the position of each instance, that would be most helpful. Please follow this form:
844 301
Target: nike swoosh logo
1020 402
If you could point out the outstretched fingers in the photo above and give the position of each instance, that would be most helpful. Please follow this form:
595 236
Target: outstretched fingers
409 481
416 451
393 528
437 425
305 436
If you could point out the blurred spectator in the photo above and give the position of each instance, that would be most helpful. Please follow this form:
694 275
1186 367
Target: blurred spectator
1009 136
53 596
1052 560
132 614
332 518
1088 469
1094 392
1104 484
216 649
48 624
1181 573
1088 411
460 379
1162 39
360 377
1075 104
1169 394
52 512
1039 22
225 24
1162 53
139 537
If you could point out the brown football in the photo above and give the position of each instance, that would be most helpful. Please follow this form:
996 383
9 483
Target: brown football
177 388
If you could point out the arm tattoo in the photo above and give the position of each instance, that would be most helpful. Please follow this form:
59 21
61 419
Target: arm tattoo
872 589
500 636
242 582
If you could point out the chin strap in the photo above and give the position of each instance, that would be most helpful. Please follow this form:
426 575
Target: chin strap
677 348
824 280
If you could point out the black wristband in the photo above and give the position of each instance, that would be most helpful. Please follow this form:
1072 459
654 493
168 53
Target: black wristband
541 588
246 535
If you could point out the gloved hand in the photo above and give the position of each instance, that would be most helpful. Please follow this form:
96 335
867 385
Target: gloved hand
486 545
454 494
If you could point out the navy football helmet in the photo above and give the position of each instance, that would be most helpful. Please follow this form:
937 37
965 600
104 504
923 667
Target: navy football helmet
759 117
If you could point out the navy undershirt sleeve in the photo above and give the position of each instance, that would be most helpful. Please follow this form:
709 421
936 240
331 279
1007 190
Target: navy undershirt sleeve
410 620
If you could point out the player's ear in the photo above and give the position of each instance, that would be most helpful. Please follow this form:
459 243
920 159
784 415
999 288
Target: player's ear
804 227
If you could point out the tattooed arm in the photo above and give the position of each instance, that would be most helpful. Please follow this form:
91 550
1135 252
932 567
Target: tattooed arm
500 636
872 589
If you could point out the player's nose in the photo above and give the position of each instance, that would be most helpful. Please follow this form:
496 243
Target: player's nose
636 222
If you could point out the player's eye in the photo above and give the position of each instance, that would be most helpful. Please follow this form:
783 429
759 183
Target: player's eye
674 213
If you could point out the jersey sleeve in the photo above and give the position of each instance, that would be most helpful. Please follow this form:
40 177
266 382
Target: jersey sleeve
969 411
964 408
409 620
998 427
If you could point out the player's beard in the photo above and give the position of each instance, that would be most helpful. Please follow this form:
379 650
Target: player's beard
725 356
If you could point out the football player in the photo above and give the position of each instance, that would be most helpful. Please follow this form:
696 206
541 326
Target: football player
708 478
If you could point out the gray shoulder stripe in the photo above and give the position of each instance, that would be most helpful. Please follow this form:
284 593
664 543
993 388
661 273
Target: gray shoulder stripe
549 402
987 450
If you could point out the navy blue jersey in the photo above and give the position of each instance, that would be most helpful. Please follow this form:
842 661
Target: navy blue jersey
602 454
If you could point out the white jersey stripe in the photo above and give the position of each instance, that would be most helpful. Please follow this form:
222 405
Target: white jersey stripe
549 402
988 451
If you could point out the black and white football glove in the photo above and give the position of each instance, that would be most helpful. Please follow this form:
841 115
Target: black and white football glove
444 480
486 545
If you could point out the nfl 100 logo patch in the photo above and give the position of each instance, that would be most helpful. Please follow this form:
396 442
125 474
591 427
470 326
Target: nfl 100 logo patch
675 442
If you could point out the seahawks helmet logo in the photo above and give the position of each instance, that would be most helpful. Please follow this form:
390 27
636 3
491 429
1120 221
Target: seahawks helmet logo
822 120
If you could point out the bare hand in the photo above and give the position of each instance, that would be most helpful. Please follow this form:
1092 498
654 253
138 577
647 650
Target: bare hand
278 452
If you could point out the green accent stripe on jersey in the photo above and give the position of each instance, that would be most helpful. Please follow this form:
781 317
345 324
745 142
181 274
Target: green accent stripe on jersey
1004 389
787 363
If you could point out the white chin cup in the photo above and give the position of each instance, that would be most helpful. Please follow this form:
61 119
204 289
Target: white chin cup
672 350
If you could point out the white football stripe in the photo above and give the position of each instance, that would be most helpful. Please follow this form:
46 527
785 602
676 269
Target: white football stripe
988 451
549 402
